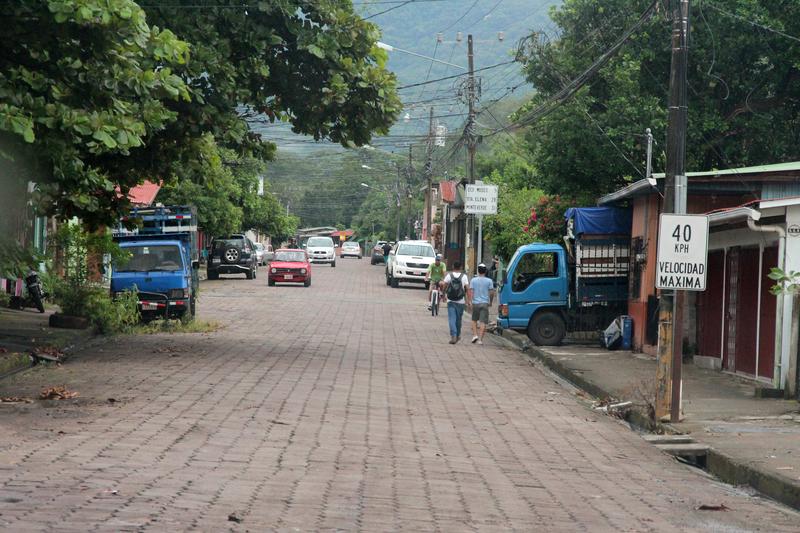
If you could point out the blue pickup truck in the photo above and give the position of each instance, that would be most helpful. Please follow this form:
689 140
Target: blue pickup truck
162 261
549 290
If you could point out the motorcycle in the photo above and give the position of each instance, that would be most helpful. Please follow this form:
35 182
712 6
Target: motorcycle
35 293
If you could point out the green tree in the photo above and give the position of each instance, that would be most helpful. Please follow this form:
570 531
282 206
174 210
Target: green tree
104 100
744 87
81 84
312 64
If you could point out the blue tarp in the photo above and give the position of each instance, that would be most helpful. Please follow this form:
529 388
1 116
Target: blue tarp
600 220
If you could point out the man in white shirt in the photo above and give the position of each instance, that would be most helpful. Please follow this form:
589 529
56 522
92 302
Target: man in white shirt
456 289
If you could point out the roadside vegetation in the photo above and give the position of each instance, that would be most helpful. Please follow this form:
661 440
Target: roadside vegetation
177 326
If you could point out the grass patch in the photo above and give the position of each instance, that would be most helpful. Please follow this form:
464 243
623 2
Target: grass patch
178 326
12 361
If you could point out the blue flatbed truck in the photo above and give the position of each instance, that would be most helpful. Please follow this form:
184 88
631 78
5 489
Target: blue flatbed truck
549 290
163 261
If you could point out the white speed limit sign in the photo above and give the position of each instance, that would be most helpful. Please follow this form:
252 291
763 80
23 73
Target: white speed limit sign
682 252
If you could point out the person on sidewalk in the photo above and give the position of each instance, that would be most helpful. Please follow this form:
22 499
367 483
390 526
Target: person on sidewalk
456 286
481 294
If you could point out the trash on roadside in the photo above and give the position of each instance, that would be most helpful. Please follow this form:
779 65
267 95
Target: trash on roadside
234 517
14 399
612 407
713 507
58 393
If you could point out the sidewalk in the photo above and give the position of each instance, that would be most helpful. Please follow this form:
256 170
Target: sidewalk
24 331
754 441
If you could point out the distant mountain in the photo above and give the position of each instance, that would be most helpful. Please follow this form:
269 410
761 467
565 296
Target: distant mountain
439 28
415 27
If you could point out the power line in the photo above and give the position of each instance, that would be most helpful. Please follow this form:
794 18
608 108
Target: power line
578 82
456 75
756 24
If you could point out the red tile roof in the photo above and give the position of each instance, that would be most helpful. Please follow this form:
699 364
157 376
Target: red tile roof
144 194
448 189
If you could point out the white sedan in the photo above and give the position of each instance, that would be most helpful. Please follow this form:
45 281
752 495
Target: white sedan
352 249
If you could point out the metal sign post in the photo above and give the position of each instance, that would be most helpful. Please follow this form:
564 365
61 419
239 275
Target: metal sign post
480 199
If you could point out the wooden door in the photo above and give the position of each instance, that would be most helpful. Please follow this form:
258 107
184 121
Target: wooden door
747 310
710 304
766 335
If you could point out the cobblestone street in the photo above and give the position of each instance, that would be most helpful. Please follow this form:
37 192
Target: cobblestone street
335 407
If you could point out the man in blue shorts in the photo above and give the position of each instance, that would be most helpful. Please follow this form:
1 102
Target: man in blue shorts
481 290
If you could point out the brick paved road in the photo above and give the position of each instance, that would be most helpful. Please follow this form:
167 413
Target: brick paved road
343 407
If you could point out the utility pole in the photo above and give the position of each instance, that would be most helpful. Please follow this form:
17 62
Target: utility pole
670 327
472 144
397 193
428 204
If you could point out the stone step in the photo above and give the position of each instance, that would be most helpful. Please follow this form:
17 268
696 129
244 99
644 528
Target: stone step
668 439
685 450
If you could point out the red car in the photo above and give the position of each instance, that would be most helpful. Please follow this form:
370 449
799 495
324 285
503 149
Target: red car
290 266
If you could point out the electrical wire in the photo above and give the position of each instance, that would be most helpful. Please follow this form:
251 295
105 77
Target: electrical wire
747 21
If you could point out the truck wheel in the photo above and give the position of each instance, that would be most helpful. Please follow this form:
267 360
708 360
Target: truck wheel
427 285
388 279
547 329
213 275
250 274
271 283
333 265
395 282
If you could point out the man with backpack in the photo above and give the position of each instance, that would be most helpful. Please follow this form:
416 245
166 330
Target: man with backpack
456 284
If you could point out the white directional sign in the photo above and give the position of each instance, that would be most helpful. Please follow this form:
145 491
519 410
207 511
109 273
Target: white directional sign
682 252
480 199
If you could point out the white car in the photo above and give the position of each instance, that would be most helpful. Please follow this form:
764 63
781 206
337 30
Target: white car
260 253
351 249
321 250
409 261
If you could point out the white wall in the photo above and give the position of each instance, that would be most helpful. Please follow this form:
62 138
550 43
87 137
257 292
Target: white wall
792 263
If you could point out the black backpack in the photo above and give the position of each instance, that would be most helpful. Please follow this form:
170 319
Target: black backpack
455 289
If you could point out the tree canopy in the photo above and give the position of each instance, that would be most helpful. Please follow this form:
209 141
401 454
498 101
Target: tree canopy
744 91
103 94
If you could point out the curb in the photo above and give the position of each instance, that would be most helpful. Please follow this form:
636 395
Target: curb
27 362
724 467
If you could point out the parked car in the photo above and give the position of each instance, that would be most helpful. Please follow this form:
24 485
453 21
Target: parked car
260 248
232 254
269 254
377 253
321 250
409 261
290 266
351 249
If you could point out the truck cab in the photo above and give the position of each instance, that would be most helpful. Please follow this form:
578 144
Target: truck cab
162 261
534 293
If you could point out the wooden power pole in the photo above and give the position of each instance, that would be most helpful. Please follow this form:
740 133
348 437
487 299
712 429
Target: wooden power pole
670 330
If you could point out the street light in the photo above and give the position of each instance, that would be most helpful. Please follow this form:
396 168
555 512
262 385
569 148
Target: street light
390 48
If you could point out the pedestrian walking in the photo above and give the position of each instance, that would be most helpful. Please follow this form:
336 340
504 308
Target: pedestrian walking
386 249
493 269
481 294
456 290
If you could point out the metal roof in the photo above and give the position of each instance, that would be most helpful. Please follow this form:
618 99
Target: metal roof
777 167
643 186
